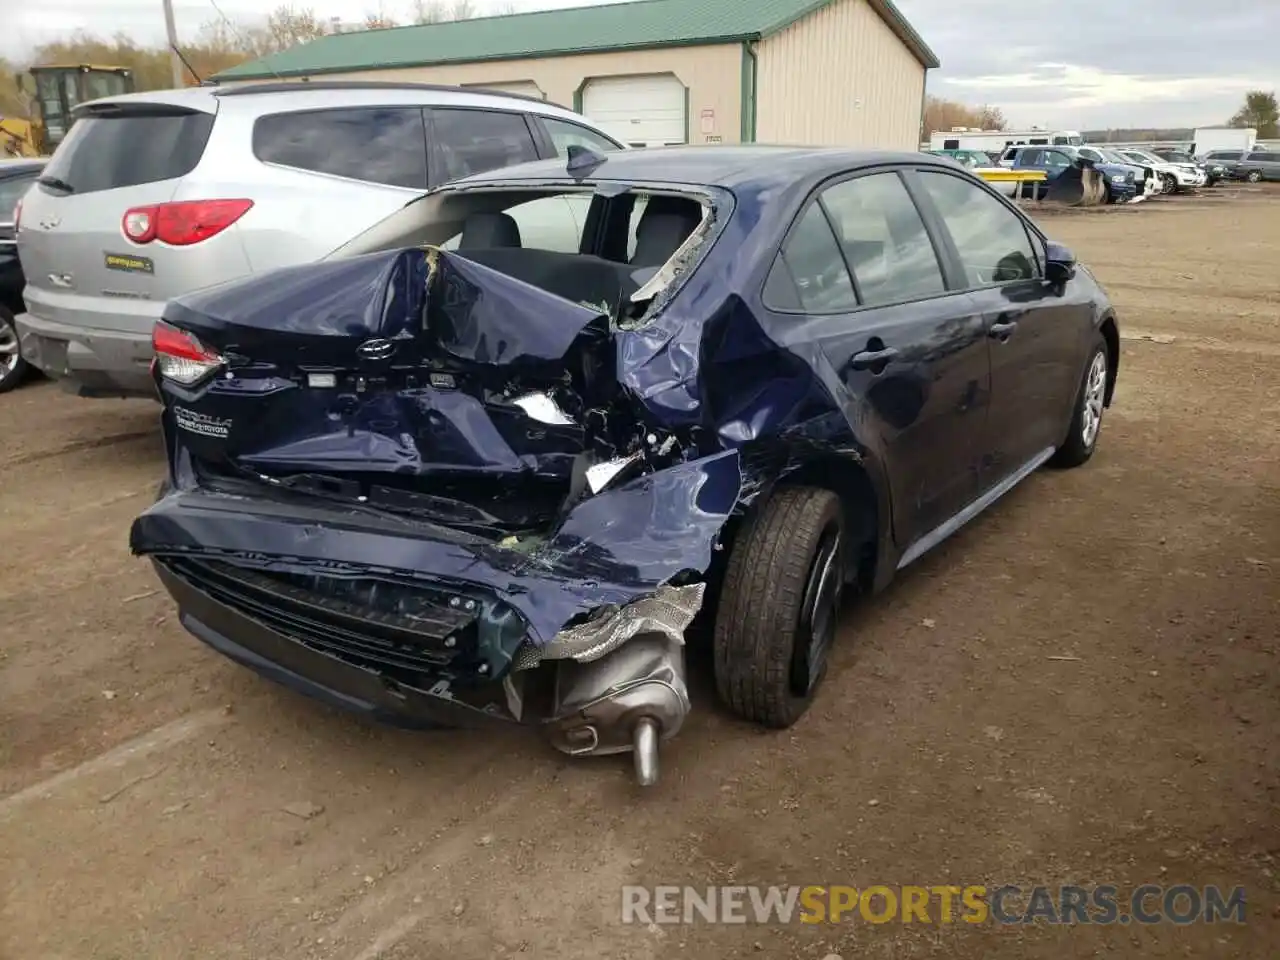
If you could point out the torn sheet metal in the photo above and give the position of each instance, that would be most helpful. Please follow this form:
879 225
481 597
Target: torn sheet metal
611 549
668 613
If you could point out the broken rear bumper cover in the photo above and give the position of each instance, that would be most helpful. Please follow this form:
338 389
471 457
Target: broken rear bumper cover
417 625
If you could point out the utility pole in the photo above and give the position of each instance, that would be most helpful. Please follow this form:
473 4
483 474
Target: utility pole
171 28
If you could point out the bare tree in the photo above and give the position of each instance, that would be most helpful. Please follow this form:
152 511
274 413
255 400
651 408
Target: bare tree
429 11
940 114
441 11
288 26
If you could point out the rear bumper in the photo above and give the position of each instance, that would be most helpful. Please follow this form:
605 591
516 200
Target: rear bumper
320 675
90 361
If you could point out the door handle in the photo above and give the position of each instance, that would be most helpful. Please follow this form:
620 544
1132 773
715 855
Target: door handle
870 359
1002 331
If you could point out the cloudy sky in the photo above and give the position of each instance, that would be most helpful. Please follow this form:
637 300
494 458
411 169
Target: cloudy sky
1082 64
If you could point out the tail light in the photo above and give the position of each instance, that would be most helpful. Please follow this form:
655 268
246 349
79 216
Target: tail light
184 223
180 356
17 215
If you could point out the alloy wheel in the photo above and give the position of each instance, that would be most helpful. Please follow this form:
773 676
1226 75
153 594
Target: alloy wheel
9 354
1095 392
821 612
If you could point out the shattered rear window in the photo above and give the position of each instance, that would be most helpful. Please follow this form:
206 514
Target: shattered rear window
617 247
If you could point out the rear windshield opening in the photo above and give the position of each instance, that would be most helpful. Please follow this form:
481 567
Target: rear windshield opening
125 148
614 250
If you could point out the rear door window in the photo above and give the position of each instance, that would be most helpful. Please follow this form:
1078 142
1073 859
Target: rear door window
884 239
810 275
473 141
384 145
145 144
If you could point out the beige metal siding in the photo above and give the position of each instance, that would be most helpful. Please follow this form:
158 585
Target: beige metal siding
839 77
712 75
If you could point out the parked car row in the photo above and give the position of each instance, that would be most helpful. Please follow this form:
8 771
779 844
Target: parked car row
1130 173
1124 181
1251 166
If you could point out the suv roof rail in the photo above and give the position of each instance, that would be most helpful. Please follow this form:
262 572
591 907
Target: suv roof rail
294 86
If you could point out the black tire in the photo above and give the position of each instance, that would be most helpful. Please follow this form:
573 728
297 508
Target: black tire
1254 176
1170 184
1076 448
13 369
762 638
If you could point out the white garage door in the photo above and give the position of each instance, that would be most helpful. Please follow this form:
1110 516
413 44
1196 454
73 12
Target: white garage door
526 88
643 111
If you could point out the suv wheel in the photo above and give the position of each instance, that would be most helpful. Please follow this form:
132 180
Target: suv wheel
1254 176
13 369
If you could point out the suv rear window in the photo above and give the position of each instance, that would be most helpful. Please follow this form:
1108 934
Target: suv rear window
143 144
385 145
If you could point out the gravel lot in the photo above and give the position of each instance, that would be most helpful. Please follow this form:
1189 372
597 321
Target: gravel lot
144 779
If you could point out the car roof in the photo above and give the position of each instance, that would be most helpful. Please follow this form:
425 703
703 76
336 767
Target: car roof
266 97
731 166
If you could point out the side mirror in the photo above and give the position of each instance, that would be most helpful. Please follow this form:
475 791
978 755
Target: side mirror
1059 263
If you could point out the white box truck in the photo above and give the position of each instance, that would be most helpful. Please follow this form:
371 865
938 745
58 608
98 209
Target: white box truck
1223 138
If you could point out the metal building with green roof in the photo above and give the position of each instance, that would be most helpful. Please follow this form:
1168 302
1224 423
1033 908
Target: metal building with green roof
848 72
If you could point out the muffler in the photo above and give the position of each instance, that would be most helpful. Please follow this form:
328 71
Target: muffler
631 699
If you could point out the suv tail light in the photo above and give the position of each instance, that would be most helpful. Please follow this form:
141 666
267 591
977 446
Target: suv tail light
180 356
184 223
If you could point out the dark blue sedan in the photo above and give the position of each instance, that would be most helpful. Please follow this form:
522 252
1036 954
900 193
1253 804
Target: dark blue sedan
493 458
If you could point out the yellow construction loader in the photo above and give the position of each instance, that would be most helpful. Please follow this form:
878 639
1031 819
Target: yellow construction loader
55 90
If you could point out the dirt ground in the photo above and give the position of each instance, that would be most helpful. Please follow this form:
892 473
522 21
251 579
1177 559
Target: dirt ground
144 779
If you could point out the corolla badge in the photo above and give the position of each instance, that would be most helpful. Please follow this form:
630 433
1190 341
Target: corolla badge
376 350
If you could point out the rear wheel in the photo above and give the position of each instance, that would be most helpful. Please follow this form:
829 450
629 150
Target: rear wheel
13 369
778 610
1254 176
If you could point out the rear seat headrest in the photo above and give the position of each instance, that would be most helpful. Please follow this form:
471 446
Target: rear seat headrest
665 224
482 230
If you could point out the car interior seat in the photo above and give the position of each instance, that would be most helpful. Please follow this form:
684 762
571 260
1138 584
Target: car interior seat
489 230
665 224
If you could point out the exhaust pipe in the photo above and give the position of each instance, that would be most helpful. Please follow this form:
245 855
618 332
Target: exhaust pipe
630 699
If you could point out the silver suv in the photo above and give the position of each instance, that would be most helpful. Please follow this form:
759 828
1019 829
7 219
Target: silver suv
152 195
